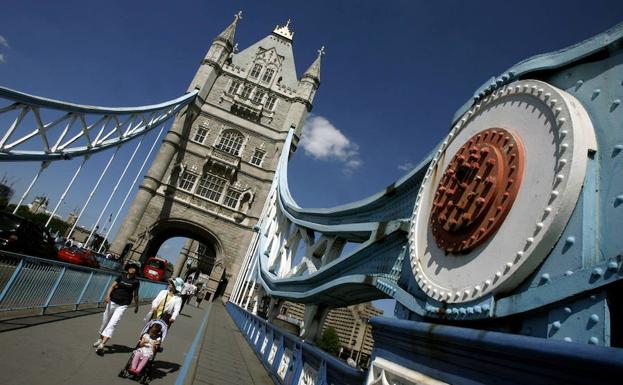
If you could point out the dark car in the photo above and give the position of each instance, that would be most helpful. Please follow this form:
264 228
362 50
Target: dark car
20 235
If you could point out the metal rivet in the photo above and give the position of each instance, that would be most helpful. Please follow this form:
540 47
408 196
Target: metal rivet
596 92
545 278
557 325
593 341
619 199
568 273
615 103
612 265
567 339
509 265
594 318
570 240
567 310
597 272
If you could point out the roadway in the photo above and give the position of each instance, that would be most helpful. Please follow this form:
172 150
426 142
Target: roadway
203 347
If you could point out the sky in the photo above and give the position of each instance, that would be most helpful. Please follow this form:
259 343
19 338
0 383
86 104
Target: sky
394 74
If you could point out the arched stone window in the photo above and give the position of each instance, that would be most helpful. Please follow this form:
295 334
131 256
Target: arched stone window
255 72
268 75
230 141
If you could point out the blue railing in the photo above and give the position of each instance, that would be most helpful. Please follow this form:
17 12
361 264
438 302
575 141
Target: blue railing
458 355
35 283
288 359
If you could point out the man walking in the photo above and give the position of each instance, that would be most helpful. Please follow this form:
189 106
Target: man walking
119 296
188 291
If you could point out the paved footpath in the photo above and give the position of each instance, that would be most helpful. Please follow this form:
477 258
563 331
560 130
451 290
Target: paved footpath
60 352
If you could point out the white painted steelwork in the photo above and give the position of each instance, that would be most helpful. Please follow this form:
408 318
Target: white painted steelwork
65 130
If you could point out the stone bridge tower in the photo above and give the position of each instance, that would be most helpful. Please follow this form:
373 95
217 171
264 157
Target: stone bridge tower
213 171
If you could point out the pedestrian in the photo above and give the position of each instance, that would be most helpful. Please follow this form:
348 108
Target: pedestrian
201 294
118 298
168 303
187 292
147 348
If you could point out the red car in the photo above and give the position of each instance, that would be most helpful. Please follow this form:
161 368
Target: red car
78 256
155 269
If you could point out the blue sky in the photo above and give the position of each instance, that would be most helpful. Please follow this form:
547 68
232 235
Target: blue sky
393 75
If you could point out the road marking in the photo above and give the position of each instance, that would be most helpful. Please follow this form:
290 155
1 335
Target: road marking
191 352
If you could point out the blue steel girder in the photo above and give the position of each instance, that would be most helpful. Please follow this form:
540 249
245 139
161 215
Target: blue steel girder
371 268
65 130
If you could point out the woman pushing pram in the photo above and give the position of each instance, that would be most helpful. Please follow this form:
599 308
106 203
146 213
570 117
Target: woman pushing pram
164 309
167 304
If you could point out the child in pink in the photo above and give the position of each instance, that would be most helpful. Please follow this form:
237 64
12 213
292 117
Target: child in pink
147 346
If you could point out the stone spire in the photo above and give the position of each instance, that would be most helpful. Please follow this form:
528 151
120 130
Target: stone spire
313 71
227 36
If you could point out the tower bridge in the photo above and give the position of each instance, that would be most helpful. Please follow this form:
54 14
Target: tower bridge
501 248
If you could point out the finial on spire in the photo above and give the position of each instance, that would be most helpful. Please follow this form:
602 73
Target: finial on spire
321 51
238 16
284 31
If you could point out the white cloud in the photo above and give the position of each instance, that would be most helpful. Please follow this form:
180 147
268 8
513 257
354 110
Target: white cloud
3 41
323 141
406 166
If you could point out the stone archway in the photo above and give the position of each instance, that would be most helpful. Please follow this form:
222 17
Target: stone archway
179 227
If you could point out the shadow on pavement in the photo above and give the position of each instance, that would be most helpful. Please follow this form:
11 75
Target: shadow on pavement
162 368
115 348
25 322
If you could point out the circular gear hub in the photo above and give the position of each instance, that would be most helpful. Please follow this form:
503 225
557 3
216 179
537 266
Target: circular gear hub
477 190
499 191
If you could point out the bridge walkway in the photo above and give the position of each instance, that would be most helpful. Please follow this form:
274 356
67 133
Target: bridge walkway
204 347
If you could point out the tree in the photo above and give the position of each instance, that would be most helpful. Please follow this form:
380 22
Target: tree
330 342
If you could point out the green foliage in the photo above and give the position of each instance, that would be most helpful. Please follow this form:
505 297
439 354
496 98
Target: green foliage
330 342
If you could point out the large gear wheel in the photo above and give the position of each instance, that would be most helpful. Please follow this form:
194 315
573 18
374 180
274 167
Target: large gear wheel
499 192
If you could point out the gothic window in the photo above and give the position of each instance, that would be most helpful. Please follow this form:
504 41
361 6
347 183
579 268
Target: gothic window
270 103
246 91
255 72
231 199
233 87
211 187
257 157
268 75
231 142
200 134
257 98
187 181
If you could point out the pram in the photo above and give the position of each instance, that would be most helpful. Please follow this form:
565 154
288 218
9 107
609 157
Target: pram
146 375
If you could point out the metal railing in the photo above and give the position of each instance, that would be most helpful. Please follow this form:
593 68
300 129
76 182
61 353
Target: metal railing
35 283
288 359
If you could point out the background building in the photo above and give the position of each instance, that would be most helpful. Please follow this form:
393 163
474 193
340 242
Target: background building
351 325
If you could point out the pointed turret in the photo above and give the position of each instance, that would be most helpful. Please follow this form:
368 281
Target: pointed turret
227 36
313 71
221 49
